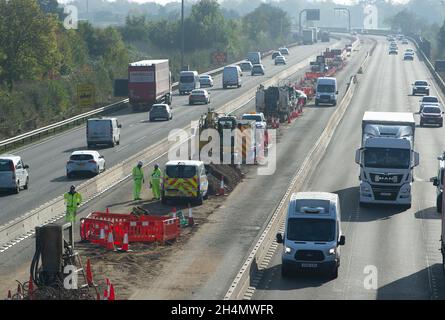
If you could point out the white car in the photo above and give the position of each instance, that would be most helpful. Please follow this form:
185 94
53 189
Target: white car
205 80
160 111
85 161
13 173
284 51
199 96
280 60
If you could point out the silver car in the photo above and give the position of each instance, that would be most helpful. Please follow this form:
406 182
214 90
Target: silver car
13 173
85 162
205 80
280 60
160 111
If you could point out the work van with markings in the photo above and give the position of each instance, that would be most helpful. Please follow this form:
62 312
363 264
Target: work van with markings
312 235
185 180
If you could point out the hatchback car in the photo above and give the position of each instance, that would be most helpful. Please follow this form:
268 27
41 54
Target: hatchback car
280 60
408 56
257 69
85 162
13 173
199 96
393 51
421 86
431 114
429 100
276 54
205 80
160 111
246 66
284 51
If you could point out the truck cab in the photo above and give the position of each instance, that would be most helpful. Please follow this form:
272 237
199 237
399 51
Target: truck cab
312 235
387 158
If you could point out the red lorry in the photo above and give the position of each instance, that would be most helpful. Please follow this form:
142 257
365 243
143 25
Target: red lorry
149 82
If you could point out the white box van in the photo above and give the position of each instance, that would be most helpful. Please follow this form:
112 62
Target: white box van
254 57
232 76
104 131
312 235
188 81
13 173
326 91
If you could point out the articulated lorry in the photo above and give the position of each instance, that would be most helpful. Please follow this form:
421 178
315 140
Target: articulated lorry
309 36
149 82
387 158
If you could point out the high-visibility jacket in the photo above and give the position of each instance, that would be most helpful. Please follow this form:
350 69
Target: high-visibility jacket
138 173
156 175
72 200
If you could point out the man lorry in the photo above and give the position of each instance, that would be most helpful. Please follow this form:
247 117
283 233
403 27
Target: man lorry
387 158
149 82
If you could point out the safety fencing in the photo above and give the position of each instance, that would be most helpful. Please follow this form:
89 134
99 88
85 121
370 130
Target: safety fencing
23 227
243 285
97 226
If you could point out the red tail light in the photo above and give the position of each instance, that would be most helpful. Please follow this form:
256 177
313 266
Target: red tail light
92 161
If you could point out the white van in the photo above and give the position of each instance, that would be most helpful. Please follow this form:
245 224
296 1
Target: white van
312 235
326 91
13 173
232 76
188 81
254 57
104 131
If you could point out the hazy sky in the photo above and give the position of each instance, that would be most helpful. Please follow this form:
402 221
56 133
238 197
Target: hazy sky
166 1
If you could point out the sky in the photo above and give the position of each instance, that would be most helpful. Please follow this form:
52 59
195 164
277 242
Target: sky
162 2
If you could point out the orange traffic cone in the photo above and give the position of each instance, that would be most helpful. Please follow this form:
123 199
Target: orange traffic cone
221 187
89 273
30 288
191 220
107 290
125 243
110 243
112 296
102 237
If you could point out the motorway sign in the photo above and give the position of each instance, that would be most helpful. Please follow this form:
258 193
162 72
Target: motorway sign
85 95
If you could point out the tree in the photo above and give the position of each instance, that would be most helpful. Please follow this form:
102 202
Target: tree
28 40
49 6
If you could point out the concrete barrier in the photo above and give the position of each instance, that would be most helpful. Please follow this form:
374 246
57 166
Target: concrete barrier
23 226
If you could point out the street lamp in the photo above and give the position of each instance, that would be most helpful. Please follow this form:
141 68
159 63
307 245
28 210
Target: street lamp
349 15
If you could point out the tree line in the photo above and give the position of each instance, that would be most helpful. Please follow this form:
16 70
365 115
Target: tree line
42 62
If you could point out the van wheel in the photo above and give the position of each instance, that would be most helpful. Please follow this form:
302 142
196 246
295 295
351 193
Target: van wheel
17 188
199 200
285 273
206 196
118 142
26 187
334 273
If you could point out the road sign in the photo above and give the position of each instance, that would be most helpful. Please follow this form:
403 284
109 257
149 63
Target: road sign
219 57
312 14
85 95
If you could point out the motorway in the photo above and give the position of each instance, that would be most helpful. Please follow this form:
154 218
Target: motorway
47 159
402 245
231 231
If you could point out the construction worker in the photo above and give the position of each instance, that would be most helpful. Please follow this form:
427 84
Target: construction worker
138 178
155 183
72 201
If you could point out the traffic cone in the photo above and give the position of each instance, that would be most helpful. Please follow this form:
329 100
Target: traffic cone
30 288
174 212
125 243
112 296
110 243
191 220
9 295
102 236
221 187
89 273
105 294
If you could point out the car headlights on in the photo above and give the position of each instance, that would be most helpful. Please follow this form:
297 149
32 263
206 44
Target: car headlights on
332 251
288 250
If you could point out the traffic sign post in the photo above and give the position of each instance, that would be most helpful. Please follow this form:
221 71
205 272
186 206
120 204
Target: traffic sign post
85 95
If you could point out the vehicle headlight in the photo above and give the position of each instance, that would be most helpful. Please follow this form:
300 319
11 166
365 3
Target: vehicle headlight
288 250
366 189
406 189
332 251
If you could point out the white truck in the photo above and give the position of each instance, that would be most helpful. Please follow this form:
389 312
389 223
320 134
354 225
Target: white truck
387 158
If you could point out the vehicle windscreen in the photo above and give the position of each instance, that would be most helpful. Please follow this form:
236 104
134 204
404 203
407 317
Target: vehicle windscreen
180 171
6 165
420 83
309 229
387 158
430 110
187 79
252 117
81 157
430 99
197 93
326 88
158 108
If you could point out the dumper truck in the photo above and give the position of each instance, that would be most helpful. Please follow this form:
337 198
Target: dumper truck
149 82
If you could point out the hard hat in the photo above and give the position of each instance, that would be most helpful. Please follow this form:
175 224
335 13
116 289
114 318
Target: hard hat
73 187
140 163
156 165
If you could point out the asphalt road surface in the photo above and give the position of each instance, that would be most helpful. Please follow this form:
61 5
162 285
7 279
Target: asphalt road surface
402 246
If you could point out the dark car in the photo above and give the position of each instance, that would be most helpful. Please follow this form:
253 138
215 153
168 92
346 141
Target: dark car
408 56
276 54
431 115
257 69
246 66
